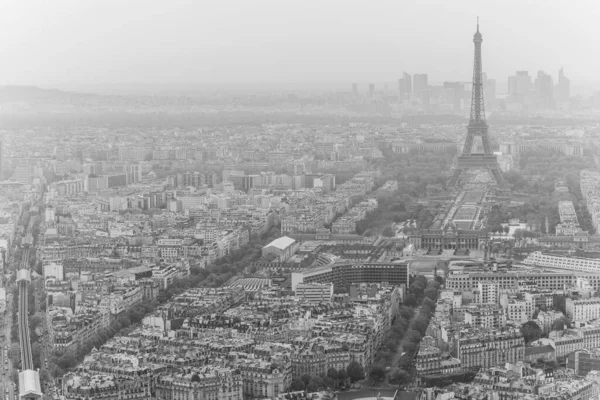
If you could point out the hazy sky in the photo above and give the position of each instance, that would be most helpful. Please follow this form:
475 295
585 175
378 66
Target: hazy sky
54 42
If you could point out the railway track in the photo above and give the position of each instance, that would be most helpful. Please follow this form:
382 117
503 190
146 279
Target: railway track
24 337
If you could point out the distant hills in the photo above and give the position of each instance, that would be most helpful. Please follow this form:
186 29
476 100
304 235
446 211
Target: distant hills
9 94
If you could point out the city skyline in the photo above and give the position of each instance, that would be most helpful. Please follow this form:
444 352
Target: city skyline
138 45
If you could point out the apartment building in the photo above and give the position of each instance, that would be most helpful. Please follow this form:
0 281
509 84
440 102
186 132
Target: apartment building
485 316
430 361
314 292
583 310
262 379
486 293
201 383
487 348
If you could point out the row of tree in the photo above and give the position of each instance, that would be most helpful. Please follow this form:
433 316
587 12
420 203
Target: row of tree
404 370
392 360
222 270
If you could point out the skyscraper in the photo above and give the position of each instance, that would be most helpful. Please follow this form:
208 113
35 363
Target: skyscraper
407 82
489 89
544 90
401 88
519 85
454 94
1 159
371 89
355 89
563 88
419 83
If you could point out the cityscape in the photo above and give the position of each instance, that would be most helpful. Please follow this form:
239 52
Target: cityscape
401 240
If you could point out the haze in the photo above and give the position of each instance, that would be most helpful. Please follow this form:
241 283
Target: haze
66 42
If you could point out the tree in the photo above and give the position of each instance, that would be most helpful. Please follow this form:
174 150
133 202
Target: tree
409 347
531 331
315 384
377 374
305 378
399 377
431 293
561 324
332 373
67 360
329 383
342 375
388 232
410 300
36 351
355 371
518 234
406 313
14 354
297 384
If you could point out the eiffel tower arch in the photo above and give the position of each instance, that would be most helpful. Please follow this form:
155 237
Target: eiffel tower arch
477 128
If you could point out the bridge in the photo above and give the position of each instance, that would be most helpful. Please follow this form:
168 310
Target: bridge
29 379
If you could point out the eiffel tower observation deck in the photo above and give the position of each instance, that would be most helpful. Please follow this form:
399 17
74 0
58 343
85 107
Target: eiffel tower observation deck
477 129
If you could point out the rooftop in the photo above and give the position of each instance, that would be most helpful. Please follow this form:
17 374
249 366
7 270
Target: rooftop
282 243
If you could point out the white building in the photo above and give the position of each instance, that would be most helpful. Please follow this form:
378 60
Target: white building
284 248
315 292
486 293
583 310
540 259
54 270
518 311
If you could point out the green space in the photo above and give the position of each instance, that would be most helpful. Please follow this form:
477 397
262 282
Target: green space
394 361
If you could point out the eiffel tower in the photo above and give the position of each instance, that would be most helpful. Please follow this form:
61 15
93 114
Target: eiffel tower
477 127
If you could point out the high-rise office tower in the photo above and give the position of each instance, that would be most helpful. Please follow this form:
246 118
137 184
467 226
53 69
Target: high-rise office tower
371 89
401 88
1 159
519 85
454 94
563 87
489 89
419 83
544 89
355 89
407 82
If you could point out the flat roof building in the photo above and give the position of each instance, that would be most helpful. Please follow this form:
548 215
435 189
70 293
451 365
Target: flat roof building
283 247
